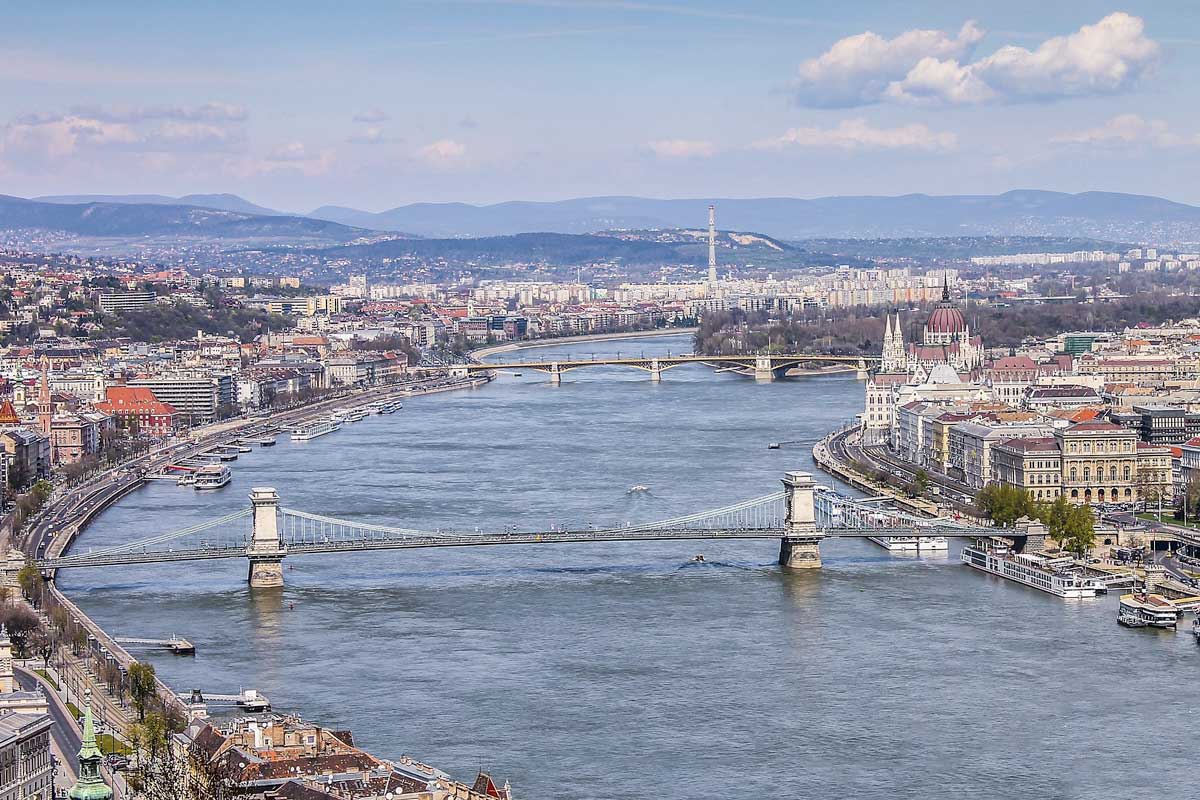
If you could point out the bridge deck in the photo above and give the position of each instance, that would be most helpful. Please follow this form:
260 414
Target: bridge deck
487 540
777 360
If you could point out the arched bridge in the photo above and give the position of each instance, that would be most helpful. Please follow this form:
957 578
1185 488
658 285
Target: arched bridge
799 516
764 366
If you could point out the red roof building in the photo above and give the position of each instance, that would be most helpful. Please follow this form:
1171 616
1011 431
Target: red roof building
137 409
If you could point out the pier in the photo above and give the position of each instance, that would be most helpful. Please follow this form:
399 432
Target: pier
249 699
176 644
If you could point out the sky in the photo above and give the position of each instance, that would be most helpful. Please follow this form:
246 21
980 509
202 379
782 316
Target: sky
372 105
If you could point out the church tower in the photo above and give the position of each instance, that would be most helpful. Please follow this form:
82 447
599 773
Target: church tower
893 358
6 662
45 405
90 785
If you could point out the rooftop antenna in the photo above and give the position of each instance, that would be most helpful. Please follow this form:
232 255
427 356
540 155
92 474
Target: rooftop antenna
712 245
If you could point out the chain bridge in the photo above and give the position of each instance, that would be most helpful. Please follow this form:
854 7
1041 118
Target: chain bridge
764 366
800 517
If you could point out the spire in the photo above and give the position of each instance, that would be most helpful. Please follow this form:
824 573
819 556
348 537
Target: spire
90 785
887 331
945 287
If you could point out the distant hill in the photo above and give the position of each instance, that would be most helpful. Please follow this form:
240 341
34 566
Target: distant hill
221 202
157 220
629 247
1100 215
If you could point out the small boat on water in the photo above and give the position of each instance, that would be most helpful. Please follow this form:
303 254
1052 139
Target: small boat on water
1196 629
1147 611
213 476
774 446
638 489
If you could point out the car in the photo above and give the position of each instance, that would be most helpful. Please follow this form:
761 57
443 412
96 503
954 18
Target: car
116 762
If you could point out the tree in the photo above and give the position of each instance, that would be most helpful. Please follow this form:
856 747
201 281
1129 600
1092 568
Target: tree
1054 516
1004 504
1078 533
919 484
22 625
30 581
142 687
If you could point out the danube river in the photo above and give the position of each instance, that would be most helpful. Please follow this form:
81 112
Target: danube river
624 670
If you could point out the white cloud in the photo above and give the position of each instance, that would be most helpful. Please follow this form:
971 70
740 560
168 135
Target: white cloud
857 134
293 157
372 115
208 112
372 134
682 148
922 67
857 70
443 152
1129 130
48 138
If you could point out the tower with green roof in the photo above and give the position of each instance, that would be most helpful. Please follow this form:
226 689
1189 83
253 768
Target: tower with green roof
90 785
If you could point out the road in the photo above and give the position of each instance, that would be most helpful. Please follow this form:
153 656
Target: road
65 732
951 492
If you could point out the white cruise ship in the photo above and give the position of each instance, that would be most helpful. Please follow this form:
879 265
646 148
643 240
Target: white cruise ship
912 544
314 429
1031 569
214 476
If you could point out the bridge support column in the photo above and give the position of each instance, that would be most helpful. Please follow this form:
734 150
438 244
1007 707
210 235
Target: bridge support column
860 372
800 548
763 369
655 370
555 374
266 551
459 371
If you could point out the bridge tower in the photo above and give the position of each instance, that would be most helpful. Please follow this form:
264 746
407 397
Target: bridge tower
800 546
266 551
764 369
555 373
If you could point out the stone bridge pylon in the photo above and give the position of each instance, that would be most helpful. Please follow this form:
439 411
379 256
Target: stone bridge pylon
800 546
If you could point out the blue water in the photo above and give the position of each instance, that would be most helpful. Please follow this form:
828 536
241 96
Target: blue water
625 670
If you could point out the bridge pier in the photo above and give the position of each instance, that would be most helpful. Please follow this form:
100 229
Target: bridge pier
555 374
860 372
266 551
763 369
800 547
655 370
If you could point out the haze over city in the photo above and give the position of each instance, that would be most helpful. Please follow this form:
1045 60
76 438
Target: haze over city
490 100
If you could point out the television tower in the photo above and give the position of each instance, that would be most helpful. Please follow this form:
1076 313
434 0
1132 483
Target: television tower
712 245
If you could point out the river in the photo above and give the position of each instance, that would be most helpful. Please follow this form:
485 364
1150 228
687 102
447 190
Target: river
625 670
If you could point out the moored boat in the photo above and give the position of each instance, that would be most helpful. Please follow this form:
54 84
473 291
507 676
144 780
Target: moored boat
213 476
1052 575
314 429
1147 611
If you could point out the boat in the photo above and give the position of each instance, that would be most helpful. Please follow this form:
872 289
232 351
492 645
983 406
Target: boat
1147 611
314 429
1041 572
638 489
774 446
912 544
213 476
355 415
391 406
1196 629
186 480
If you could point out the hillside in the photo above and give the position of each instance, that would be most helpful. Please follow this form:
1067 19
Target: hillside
221 202
136 220
1100 215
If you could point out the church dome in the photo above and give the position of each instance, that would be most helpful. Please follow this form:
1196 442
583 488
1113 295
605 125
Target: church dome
946 318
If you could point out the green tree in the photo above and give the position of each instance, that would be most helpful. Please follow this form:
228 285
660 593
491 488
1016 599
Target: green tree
1054 516
1079 532
919 484
1004 504
142 687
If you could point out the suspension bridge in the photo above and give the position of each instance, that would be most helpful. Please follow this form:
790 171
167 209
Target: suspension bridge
764 366
800 517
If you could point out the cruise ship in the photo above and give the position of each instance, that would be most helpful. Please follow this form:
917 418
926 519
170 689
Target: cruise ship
1147 611
314 429
1040 572
384 406
912 544
214 476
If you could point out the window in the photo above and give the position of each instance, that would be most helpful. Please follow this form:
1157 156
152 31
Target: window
1128 474
1087 474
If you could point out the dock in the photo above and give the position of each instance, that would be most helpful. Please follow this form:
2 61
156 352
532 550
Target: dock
249 699
176 644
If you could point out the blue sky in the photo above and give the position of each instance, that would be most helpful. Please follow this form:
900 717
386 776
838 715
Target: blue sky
372 105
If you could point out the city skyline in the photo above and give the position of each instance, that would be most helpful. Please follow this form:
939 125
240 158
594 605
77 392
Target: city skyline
483 102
